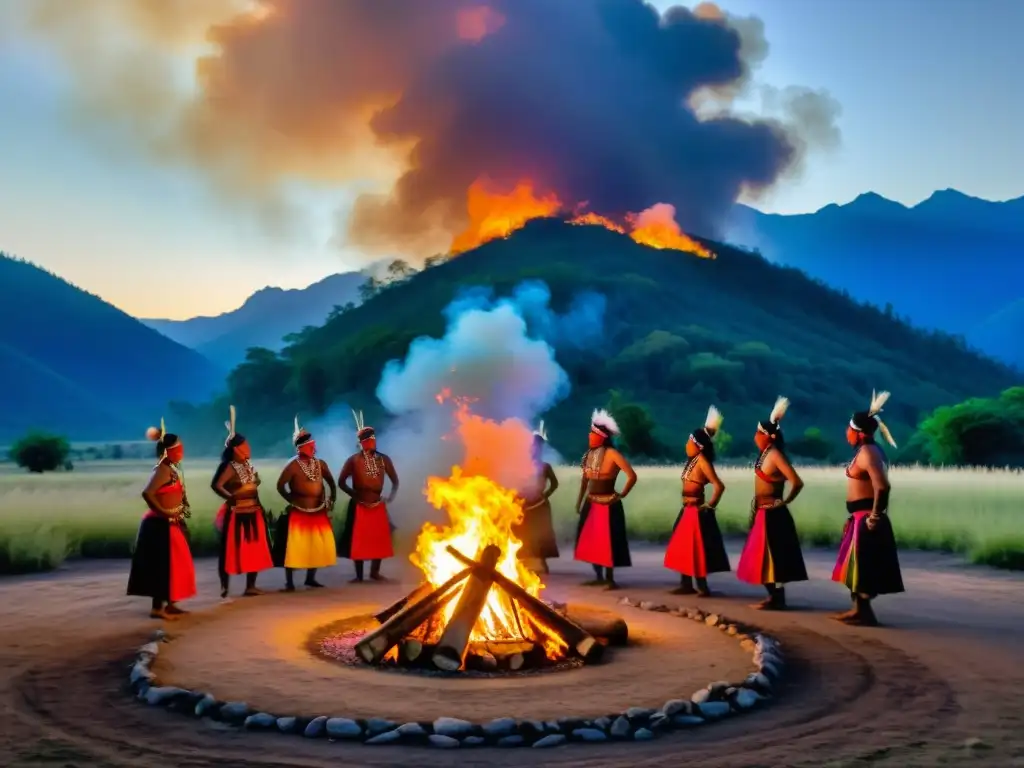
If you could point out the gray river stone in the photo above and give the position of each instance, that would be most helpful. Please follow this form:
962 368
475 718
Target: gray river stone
479 741
343 728
509 741
746 698
411 729
286 724
388 737
676 707
503 726
589 734
260 721
443 742
715 709
205 704
620 728
687 721
643 735
452 726
315 729
377 725
551 740
162 695
234 712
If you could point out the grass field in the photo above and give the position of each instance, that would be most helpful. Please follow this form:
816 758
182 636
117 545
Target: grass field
95 510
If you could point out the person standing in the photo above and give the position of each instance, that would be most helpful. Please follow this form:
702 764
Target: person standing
162 567
244 544
537 531
304 535
868 563
696 548
367 531
601 533
772 555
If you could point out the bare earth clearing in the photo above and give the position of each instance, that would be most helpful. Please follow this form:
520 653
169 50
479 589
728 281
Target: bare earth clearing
945 671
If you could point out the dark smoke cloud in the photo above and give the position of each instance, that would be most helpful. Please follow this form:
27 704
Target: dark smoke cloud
591 99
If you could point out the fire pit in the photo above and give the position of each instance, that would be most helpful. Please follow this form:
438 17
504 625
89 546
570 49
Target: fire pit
479 608
455 626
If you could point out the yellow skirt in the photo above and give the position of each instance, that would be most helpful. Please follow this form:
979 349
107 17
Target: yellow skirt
310 541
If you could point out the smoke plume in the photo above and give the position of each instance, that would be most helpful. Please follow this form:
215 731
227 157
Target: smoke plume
499 363
595 101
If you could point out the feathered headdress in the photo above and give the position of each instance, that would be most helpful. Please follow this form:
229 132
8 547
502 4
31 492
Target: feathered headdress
541 432
363 432
603 423
300 435
713 420
772 426
230 425
862 421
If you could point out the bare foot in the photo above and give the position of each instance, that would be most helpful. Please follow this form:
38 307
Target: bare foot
683 591
859 620
288 588
356 580
173 610
379 577
706 593
594 583
313 584
253 592
160 614
611 586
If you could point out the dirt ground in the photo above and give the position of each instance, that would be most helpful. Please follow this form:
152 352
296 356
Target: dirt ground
940 684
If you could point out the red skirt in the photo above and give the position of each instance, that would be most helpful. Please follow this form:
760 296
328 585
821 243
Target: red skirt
367 533
245 542
162 565
696 547
594 542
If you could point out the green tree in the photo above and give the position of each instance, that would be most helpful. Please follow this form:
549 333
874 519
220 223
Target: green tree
636 427
723 442
982 431
812 444
40 452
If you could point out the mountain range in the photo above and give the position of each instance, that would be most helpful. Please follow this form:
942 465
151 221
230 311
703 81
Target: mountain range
952 262
679 332
73 364
263 320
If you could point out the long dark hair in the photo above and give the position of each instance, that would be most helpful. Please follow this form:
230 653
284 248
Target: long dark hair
227 455
169 440
705 443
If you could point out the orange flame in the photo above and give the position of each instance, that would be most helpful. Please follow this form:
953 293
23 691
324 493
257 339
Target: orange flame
482 512
657 228
494 215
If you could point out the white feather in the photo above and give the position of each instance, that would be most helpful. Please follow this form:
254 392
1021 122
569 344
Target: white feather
163 428
605 420
779 410
885 432
878 401
713 420
358 417
541 432
298 429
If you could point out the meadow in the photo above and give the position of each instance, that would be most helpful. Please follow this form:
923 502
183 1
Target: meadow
94 511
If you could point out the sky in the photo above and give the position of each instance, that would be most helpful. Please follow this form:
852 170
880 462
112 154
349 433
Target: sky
930 93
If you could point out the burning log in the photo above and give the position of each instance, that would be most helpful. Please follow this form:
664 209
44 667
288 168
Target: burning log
415 596
409 650
543 616
451 650
376 644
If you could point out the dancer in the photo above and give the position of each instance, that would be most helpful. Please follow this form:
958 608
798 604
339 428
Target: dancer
868 562
367 531
772 555
244 546
162 568
536 530
304 536
696 547
601 533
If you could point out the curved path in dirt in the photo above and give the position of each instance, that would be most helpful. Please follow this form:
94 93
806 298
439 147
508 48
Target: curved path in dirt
944 673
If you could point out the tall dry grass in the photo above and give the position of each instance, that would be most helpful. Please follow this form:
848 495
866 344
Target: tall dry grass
95 511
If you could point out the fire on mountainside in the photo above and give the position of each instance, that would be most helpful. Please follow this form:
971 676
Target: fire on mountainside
494 215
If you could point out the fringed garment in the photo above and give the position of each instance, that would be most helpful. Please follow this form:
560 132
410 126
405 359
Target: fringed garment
868 563
244 543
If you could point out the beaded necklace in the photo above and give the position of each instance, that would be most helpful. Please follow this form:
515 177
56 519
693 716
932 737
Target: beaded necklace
244 471
373 463
312 471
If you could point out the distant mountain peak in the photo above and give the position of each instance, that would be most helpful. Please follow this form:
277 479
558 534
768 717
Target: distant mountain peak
872 202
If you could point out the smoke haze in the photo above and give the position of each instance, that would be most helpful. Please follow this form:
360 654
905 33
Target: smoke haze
597 101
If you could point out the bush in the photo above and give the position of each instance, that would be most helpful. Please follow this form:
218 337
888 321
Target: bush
40 452
811 445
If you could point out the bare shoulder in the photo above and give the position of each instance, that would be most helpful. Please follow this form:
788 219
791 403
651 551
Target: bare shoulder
323 466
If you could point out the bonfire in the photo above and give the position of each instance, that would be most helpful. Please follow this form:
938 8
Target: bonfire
479 606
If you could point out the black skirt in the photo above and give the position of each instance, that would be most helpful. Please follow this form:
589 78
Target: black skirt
537 532
868 562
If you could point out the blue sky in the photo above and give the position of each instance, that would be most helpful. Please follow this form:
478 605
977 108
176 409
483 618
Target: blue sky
930 93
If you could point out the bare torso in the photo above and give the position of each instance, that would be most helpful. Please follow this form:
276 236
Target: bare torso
242 482
770 482
165 492
305 481
367 471
868 459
